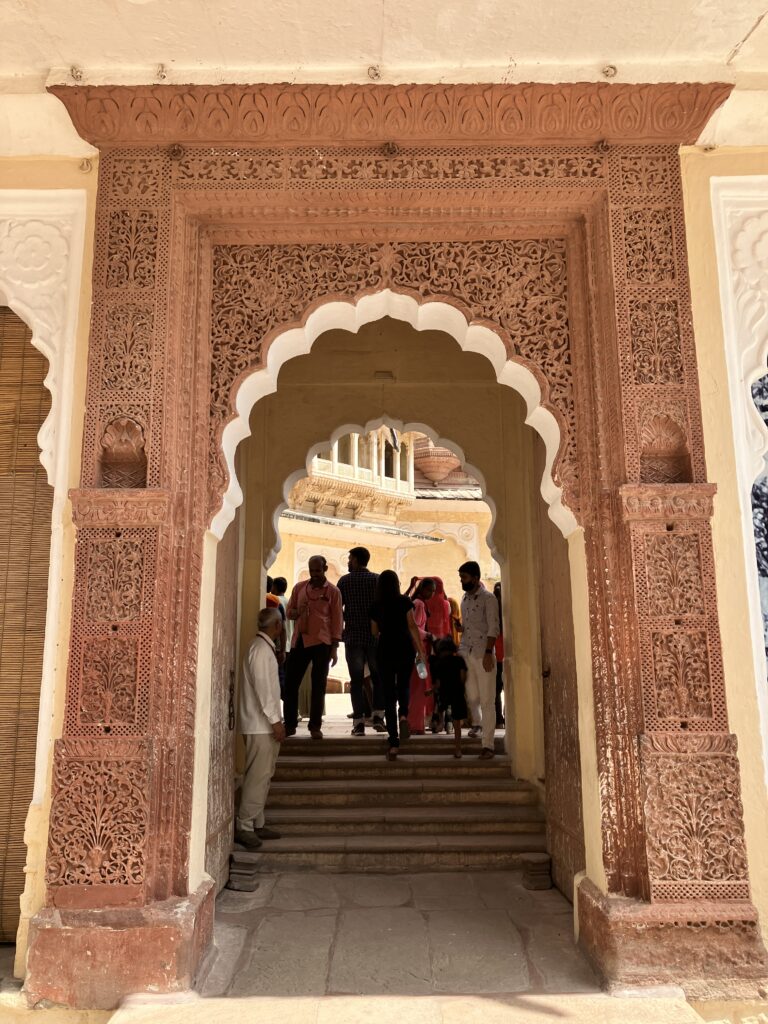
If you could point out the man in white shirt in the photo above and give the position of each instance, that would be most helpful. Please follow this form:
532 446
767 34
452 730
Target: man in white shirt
480 627
261 725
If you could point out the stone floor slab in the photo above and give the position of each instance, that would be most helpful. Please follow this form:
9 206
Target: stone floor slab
555 960
381 952
476 952
373 890
304 891
289 956
231 902
449 890
228 943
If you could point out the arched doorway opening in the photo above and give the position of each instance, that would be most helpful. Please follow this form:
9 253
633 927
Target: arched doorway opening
389 374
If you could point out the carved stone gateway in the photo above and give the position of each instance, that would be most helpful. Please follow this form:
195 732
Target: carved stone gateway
551 214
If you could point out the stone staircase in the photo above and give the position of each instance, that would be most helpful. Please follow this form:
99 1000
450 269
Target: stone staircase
341 806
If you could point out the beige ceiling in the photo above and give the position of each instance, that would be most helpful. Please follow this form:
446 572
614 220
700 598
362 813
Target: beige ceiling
406 40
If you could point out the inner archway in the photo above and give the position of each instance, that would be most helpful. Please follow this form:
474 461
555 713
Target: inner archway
389 376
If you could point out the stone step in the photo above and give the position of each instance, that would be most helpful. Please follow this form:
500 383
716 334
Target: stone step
394 792
389 853
420 766
302 745
465 819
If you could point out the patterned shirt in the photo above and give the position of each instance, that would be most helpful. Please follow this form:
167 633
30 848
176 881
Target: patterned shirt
357 592
480 618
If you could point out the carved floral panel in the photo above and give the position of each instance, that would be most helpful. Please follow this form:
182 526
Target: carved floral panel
99 814
682 676
674 574
109 681
693 813
127 361
644 173
115 580
656 353
137 177
132 249
648 246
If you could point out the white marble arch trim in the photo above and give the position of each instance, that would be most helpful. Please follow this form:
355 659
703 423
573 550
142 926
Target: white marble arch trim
427 316
740 213
367 428
42 239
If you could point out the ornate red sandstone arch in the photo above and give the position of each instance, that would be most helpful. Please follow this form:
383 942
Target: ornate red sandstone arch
553 213
549 409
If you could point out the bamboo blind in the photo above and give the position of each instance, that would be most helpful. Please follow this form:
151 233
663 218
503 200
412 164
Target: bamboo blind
25 537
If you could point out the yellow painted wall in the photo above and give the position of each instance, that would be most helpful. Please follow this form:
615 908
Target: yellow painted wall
57 173
698 168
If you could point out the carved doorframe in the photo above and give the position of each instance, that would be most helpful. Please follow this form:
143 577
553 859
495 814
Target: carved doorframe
376 170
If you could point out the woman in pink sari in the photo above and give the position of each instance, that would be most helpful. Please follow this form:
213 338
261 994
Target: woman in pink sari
439 611
420 706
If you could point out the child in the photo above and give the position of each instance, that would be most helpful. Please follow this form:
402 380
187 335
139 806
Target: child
449 673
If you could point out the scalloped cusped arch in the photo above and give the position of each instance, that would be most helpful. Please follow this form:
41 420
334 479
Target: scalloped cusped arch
428 316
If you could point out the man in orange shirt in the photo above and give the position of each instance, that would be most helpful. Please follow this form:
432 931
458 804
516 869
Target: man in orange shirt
315 610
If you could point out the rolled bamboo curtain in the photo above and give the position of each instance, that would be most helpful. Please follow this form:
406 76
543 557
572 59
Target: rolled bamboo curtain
25 537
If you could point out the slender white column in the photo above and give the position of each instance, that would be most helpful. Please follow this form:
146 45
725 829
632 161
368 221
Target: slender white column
396 462
410 466
375 454
335 456
355 439
383 459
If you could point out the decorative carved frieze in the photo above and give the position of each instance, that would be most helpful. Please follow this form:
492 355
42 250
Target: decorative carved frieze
693 817
99 814
667 501
317 113
128 508
356 166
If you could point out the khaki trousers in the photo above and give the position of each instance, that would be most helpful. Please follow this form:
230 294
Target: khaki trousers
481 696
261 750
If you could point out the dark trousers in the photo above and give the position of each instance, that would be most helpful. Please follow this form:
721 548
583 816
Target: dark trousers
499 691
358 655
395 669
295 667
